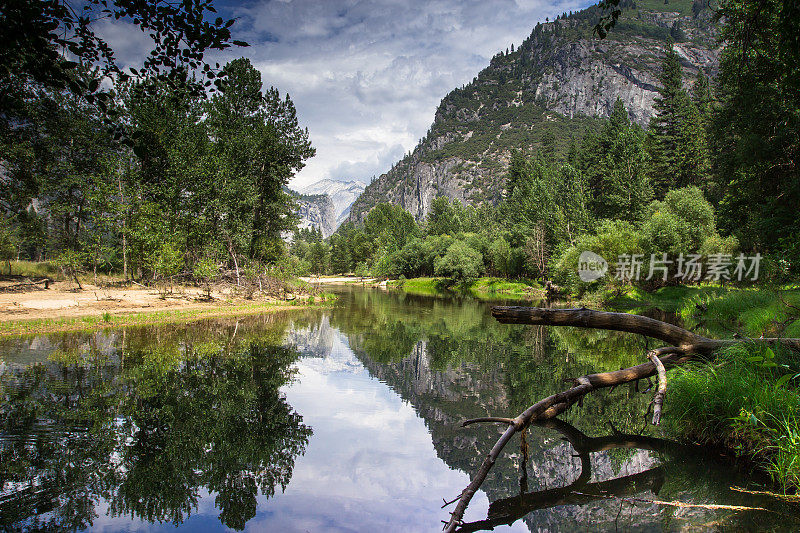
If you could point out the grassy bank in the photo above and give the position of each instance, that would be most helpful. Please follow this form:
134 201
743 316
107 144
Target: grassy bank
32 269
482 288
108 320
747 400
668 299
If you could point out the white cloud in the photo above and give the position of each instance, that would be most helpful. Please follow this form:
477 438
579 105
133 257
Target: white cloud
366 75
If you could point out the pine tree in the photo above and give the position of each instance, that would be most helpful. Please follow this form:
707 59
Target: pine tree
693 146
668 128
614 164
701 96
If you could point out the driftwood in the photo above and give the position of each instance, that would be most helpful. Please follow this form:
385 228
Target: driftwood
508 510
684 346
28 284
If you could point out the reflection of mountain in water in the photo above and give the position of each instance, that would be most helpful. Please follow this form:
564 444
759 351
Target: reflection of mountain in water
323 348
313 340
451 363
445 398
188 424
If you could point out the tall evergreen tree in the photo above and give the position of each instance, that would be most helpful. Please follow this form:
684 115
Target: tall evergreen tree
756 130
678 140
666 126
615 165
702 98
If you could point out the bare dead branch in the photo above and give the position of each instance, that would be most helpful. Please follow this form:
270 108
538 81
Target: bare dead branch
658 398
686 346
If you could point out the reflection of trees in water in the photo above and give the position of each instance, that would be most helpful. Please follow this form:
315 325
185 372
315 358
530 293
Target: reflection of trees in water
451 361
148 436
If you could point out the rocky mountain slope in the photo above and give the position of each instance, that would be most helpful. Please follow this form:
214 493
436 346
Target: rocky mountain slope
324 205
316 211
539 96
341 193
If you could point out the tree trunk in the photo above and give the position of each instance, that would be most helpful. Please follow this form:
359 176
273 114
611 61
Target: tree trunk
685 346
235 262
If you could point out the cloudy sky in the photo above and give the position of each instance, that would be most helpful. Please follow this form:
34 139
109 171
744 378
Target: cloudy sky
366 75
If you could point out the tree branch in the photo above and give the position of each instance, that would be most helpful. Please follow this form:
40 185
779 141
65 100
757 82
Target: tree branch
686 345
658 398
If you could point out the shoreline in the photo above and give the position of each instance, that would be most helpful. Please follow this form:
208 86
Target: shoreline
85 322
62 308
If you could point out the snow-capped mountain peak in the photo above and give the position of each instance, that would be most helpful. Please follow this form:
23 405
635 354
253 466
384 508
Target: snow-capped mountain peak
341 193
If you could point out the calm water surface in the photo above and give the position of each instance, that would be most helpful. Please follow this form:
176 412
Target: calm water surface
341 419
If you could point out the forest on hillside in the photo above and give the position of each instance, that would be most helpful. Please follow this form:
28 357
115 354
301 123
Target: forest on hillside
164 173
713 177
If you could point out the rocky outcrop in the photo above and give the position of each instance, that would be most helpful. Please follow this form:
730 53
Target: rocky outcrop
324 205
341 193
316 211
551 89
586 77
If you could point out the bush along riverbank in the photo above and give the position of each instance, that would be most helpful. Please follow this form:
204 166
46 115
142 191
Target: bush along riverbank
747 400
485 288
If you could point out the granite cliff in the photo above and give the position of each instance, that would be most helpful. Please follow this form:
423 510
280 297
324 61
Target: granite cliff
325 204
316 211
551 89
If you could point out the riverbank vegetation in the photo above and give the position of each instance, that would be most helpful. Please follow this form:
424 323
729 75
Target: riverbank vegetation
482 288
176 172
747 401
711 177
108 319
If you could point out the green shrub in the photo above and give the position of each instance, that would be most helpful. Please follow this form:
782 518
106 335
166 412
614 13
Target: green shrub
499 254
461 263
613 238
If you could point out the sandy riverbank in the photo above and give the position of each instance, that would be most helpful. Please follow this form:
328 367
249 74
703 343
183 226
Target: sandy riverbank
62 306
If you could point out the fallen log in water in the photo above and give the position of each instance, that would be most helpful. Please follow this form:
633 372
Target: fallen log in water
508 510
684 347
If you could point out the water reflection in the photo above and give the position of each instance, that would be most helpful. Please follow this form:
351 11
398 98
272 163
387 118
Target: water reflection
210 426
147 430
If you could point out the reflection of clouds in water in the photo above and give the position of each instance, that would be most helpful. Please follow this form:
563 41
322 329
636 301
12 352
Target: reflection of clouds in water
324 349
370 464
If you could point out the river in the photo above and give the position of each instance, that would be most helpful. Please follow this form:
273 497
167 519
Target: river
345 418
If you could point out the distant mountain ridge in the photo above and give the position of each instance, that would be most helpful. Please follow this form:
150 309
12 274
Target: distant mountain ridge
550 89
325 204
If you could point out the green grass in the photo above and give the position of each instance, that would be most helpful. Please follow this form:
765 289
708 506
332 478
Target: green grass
668 299
482 288
749 312
746 401
32 269
424 286
501 287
